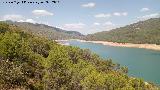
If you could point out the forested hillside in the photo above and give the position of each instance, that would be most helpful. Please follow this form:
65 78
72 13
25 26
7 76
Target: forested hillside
139 33
46 31
35 63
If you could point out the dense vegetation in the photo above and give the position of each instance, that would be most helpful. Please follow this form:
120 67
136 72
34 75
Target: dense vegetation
46 31
140 33
30 62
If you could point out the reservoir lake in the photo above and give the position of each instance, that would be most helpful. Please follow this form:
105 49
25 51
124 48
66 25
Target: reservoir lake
141 63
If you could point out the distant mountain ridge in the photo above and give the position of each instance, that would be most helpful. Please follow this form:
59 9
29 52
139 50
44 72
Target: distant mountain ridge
143 32
139 33
46 31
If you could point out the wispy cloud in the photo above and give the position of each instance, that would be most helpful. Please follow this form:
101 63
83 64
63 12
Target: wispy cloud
97 24
120 13
16 17
30 20
145 17
108 23
124 13
103 26
27 20
42 13
102 15
144 9
89 5
73 26
12 17
116 14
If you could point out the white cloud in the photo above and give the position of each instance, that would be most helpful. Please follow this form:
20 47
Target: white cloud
106 26
42 13
120 13
116 14
97 24
89 5
73 26
124 13
108 23
13 17
21 21
27 20
155 15
30 20
16 17
144 9
102 15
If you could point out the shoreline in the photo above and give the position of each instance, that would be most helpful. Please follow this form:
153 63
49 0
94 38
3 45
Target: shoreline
129 45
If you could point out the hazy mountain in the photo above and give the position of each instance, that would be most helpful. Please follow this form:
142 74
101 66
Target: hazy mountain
141 32
46 31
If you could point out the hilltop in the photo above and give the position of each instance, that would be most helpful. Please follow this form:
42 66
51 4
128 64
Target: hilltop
143 32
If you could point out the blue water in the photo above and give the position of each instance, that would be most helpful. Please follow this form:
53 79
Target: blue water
142 63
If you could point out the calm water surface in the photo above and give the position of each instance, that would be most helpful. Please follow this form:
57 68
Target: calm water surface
142 63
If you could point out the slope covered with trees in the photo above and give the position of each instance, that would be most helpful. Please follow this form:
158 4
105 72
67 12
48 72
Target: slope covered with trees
139 33
28 62
46 31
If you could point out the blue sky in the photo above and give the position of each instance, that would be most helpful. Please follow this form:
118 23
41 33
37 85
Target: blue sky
85 16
